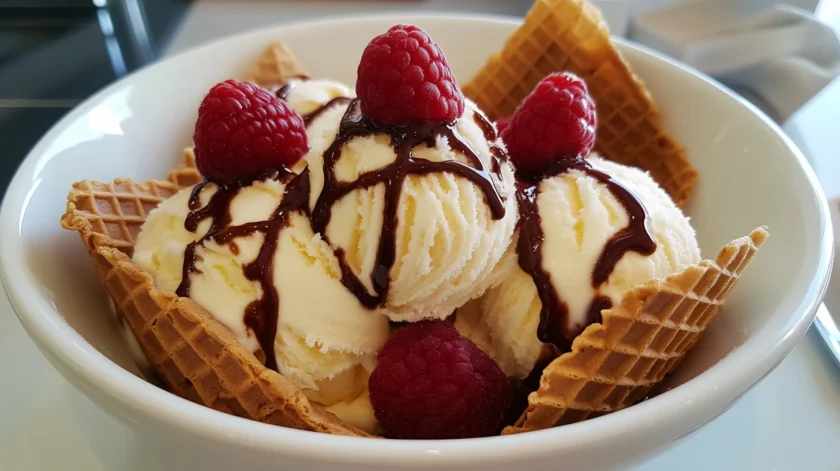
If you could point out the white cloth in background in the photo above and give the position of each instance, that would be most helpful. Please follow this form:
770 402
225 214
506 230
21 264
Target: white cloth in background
782 55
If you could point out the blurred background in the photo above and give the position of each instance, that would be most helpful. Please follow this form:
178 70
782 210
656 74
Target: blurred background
56 53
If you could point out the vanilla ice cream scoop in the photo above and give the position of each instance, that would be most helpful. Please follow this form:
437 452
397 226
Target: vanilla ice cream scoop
419 214
589 234
322 338
307 96
321 103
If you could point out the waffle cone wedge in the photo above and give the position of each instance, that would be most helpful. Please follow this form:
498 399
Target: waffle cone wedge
276 65
195 356
571 35
614 364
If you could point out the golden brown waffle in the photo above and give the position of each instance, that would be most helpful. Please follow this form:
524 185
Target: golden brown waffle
277 65
197 357
614 364
186 175
570 35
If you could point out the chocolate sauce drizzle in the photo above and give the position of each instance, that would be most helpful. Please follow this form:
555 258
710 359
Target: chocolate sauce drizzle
403 139
313 115
491 136
284 91
261 316
554 326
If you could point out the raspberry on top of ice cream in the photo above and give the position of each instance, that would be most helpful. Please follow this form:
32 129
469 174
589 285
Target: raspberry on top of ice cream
556 120
403 77
243 129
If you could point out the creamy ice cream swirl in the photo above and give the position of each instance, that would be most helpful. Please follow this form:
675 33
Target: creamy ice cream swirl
366 163
556 326
589 231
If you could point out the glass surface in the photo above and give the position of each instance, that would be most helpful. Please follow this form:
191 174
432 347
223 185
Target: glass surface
56 53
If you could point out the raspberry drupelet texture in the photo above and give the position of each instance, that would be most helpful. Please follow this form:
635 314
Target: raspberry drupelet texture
556 120
432 383
404 78
243 129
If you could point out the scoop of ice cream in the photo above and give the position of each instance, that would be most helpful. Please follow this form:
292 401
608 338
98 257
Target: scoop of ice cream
579 215
316 100
308 95
326 340
446 239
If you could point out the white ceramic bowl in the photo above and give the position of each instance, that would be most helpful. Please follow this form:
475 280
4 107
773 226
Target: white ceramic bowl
751 174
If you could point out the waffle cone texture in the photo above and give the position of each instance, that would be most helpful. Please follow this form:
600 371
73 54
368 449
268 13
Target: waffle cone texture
611 366
571 35
277 64
615 364
195 356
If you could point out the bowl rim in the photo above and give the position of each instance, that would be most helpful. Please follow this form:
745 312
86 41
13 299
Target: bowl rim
62 344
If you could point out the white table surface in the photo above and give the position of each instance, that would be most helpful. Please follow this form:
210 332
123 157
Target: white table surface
790 421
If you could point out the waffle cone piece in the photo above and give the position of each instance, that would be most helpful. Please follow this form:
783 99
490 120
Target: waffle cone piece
614 364
571 35
194 355
276 65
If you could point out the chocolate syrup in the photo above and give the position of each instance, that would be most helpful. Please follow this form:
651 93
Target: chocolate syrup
217 210
312 115
554 312
491 136
403 139
598 304
486 127
262 314
284 91
633 238
554 323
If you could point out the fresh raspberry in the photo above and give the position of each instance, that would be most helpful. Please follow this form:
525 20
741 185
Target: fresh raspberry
403 78
556 120
502 124
243 129
432 383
